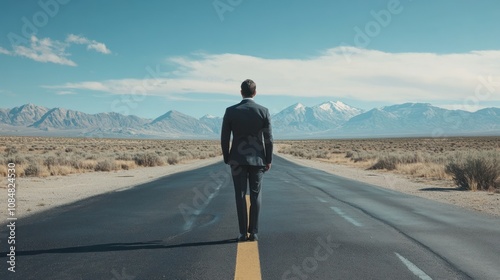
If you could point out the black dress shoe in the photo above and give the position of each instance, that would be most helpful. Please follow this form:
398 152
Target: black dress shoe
253 237
242 237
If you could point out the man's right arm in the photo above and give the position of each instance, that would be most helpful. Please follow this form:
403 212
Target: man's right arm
225 137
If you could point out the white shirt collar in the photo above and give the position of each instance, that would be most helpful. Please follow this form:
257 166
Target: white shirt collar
251 98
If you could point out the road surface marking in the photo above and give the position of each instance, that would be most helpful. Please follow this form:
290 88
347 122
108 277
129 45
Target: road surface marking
413 268
321 200
189 223
344 215
247 257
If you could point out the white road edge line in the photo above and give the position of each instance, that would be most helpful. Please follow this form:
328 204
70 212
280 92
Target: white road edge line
344 215
321 200
125 189
413 268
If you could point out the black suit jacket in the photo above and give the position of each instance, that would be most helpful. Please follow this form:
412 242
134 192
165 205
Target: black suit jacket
252 142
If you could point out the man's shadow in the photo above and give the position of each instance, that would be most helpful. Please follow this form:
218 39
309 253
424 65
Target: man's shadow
443 189
111 247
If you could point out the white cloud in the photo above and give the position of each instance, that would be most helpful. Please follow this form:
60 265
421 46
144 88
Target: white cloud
42 50
4 51
470 107
53 51
45 50
124 86
361 74
91 44
65 92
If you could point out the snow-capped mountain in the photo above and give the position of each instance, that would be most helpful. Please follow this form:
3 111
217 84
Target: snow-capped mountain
336 111
326 116
292 119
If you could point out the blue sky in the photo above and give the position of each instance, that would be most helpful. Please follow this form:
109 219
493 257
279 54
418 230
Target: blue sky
148 57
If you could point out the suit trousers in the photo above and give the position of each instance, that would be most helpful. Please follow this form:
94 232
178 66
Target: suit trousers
247 176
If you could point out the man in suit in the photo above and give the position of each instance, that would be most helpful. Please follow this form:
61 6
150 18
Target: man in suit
250 155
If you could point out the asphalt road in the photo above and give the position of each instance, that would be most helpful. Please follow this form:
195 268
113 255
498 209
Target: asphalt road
314 225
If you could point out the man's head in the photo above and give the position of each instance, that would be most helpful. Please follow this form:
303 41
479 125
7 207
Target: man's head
248 88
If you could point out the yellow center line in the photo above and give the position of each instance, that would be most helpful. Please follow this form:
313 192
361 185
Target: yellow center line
247 257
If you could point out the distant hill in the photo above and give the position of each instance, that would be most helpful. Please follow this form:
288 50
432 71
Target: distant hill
179 124
24 115
59 118
423 119
326 120
212 122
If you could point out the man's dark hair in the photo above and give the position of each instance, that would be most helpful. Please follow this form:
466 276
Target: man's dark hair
248 88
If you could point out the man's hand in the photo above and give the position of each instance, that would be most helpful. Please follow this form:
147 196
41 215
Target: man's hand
268 167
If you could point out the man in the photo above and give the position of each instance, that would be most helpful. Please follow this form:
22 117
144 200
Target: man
250 155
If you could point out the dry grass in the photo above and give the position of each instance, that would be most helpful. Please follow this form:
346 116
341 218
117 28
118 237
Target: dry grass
50 156
477 171
423 170
423 158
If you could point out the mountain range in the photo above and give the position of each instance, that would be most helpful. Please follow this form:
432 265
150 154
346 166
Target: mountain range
326 120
